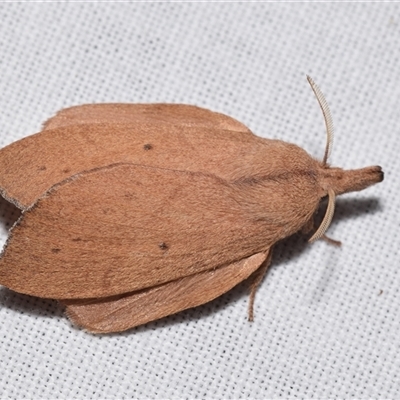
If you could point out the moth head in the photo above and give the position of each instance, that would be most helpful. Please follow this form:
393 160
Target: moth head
335 181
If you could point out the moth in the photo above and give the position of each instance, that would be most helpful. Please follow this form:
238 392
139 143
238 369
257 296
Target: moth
132 212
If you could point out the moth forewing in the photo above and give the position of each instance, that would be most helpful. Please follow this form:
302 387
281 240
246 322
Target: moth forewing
113 241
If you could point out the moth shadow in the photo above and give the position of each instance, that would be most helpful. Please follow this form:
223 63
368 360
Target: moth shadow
345 210
294 246
9 214
25 304
348 209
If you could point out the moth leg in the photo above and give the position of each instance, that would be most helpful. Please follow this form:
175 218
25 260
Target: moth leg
329 240
308 226
257 277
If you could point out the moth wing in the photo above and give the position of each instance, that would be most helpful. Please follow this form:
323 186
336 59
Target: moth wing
133 309
32 165
161 114
127 227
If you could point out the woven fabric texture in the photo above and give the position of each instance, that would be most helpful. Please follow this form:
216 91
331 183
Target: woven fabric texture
327 320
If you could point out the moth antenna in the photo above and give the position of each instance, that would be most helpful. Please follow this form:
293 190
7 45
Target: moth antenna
327 117
327 218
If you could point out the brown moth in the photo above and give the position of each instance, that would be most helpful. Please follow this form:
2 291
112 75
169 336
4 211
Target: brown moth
134 212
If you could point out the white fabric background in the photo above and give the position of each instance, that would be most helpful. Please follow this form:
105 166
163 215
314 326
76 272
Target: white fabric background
327 320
